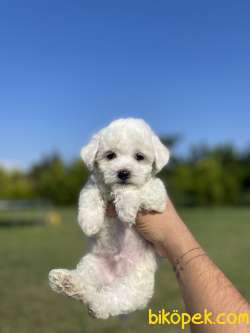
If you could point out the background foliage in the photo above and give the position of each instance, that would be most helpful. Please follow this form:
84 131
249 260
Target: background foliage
217 175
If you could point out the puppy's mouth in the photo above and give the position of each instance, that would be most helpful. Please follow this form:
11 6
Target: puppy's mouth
123 182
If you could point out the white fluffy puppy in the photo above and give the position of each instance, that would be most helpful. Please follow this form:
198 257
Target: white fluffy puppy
117 275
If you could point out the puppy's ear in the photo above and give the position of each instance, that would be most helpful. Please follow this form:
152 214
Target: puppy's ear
88 152
161 154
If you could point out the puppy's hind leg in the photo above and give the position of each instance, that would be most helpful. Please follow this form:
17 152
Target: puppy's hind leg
124 295
93 274
82 282
67 282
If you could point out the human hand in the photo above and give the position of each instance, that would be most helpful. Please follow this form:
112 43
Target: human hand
159 228
156 228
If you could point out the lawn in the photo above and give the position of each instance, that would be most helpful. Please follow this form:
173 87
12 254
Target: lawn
29 252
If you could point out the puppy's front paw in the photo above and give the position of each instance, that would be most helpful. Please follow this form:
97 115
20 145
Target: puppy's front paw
90 223
154 196
127 205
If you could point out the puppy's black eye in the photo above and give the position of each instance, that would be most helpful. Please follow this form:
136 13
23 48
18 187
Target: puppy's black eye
111 155
139 157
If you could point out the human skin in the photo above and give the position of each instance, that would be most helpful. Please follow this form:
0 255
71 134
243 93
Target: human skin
203 285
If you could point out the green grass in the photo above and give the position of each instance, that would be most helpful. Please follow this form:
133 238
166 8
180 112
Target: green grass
28 253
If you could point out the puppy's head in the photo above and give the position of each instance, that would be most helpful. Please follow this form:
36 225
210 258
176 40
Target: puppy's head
126 152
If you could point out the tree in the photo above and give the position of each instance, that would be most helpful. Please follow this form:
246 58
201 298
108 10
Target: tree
57 181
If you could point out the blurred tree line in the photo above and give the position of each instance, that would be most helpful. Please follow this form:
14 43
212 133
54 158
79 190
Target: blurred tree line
207 176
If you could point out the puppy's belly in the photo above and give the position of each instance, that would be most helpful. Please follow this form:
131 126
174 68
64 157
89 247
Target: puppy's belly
120 249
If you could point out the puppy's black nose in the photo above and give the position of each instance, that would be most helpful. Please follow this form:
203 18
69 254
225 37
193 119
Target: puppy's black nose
123 174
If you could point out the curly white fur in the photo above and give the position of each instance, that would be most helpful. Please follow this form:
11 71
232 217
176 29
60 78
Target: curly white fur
117 275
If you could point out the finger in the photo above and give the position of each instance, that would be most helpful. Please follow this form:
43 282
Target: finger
145 215
110 210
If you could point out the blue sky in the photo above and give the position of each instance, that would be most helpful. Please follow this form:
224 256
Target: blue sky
67 68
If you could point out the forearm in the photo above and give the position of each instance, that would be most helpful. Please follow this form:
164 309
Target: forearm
205 287
202 283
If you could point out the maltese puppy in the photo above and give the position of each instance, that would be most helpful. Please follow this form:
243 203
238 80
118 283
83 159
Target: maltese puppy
117 275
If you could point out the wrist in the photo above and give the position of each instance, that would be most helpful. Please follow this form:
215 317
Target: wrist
177 238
